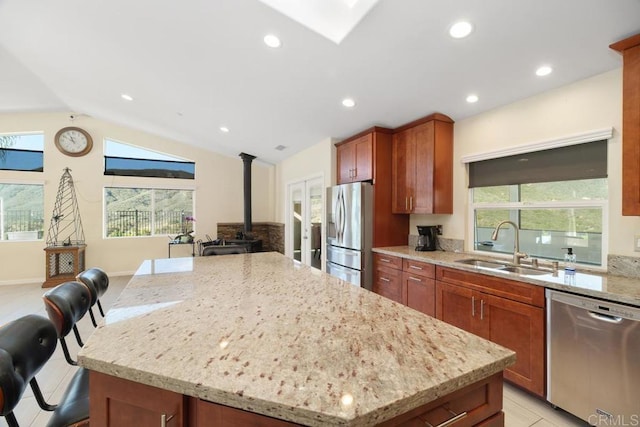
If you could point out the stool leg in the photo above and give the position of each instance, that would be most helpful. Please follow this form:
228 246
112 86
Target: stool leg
67 356
77 334
93 319
100 308
11 420
39 397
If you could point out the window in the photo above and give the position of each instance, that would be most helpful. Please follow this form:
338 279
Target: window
22 152
554 205
133 212
128 160
21 211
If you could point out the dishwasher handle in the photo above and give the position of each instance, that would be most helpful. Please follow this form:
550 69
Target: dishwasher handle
605 317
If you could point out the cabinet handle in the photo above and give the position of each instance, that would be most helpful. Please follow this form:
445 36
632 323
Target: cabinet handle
415 279
355 172
384 260
415 267
449 421
406 203
384 279
411 204
164 419
481 309
473 306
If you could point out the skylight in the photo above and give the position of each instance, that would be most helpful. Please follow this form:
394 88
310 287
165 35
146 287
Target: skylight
333 19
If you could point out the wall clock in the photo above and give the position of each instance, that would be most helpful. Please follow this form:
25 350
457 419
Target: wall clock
73 141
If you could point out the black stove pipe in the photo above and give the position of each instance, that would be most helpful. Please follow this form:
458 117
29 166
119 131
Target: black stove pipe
247 159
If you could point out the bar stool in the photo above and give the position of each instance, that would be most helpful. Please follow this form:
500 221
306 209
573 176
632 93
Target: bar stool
66 304
26 344
98 282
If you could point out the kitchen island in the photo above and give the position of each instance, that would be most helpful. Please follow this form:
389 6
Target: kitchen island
259 335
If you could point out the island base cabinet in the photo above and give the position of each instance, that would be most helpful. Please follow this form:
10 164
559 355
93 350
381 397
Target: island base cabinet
479 404
116 402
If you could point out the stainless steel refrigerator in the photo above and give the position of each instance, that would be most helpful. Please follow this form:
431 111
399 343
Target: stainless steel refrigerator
349 233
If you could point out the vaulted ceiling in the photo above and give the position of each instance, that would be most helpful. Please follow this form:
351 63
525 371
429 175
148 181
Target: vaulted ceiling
194 66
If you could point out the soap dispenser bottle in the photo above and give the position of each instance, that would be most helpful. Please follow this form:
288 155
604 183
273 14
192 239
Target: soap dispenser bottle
569 261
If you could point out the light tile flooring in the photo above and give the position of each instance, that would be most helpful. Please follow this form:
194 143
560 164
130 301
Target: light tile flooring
521 410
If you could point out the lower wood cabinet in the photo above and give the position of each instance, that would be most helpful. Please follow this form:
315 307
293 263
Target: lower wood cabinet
119 402
115 402
405 281
471 302
479 404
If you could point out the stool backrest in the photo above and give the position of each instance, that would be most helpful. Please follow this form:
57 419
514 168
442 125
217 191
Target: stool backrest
66 304
97 279
26 344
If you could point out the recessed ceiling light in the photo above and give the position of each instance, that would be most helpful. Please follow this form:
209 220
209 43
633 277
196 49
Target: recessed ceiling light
348 102
126 97
472 98
545 70
272 41
224 129
460 30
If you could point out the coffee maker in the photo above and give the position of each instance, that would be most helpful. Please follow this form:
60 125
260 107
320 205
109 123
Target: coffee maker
427 237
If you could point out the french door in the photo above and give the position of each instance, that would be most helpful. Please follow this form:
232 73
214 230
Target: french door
305 215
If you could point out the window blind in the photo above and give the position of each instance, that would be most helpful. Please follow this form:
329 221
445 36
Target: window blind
581 161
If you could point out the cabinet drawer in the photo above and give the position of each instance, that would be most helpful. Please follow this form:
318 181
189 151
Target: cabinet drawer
388 283
382 260
419 268
510 289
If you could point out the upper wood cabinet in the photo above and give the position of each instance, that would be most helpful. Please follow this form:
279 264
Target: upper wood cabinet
422 166
367 157
630 49
355 159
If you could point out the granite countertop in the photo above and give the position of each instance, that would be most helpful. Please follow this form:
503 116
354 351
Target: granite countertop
605 286
263 333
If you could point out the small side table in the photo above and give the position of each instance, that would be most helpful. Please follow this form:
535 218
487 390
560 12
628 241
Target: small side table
193 246
63 263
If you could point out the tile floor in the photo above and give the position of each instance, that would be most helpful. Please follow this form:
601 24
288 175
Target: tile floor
521 410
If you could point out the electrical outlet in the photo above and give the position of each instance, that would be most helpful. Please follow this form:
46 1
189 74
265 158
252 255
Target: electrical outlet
636 243
439 231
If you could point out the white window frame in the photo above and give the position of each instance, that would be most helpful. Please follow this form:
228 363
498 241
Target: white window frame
578 138
603 205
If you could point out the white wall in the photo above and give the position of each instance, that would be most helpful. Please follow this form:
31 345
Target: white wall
218 186
316 160
591 104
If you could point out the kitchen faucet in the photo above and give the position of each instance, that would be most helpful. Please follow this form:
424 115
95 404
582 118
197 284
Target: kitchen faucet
517 255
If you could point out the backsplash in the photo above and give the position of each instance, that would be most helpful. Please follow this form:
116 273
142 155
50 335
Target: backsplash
626 266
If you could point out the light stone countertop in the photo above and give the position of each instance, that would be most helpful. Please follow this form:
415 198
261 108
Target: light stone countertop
605 286
263 333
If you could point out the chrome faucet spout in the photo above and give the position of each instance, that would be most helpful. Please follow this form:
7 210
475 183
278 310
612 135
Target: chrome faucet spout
517 255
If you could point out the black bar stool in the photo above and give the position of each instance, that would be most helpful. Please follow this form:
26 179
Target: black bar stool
98 282
26 344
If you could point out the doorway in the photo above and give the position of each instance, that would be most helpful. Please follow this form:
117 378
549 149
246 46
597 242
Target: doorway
305 215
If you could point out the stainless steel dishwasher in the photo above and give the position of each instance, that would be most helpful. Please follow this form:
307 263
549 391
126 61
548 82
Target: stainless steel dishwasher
593 359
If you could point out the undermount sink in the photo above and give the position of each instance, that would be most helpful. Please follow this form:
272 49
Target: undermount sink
500 266
523 270
482 263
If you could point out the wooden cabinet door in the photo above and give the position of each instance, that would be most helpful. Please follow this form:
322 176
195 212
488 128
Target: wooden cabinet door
455 305
422 196
419 293
115 402
388 283
402 171
363 168
346 162
518 327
